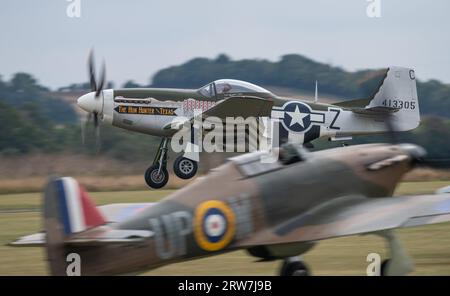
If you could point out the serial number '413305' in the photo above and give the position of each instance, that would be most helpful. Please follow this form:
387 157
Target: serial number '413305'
399 104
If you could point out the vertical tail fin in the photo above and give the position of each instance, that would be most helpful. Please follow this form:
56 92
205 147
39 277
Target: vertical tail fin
67 210
396 97
398 94
74 209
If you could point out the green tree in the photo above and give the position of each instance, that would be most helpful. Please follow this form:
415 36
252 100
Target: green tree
131 84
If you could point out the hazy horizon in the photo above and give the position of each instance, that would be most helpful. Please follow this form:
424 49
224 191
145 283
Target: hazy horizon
141 37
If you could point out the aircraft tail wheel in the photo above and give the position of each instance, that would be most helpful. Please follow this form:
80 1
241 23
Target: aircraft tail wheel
154 179
185 168
294 268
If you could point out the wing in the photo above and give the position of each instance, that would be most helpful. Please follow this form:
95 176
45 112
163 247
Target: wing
245 106
356 215
239 106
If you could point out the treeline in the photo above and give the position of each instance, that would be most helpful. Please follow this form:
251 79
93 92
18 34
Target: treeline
24 93
30 119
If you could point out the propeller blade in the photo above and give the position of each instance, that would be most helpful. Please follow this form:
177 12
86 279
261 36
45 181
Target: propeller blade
97 88
102 80
88 118
97 132
95 119
91 69
83 124
98 141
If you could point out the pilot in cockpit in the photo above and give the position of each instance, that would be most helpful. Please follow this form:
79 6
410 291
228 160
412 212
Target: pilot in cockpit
223 88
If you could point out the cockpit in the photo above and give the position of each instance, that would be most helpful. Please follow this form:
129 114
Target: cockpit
224 86
261 162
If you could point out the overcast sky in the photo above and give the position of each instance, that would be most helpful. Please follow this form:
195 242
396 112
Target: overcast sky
139 37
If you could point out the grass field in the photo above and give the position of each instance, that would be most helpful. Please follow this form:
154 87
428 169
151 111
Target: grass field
429 246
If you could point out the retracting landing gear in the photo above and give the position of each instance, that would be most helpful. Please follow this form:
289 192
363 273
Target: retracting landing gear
399 263
294 266
156 176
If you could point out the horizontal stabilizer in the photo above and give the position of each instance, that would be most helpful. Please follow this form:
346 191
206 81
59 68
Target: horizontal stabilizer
90 238
31 240
375 110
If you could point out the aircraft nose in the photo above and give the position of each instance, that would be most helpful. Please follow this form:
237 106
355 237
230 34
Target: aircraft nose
90 103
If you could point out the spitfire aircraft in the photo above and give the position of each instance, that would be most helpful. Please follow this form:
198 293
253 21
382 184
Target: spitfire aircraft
274 210
160 112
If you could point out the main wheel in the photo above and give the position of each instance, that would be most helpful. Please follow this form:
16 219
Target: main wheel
185 168
295 268
154 179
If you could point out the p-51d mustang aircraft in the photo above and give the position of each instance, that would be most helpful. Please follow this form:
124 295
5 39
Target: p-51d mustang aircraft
154 111
273 210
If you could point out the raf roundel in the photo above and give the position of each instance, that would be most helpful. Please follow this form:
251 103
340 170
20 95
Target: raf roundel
214 225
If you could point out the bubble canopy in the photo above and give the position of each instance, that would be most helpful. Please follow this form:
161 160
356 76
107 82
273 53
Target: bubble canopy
230 86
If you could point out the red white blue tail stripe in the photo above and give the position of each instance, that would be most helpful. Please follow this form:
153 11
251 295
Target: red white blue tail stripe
76 211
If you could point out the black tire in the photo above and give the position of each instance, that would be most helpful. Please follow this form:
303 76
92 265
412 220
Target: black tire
296 268
153 180
185 168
